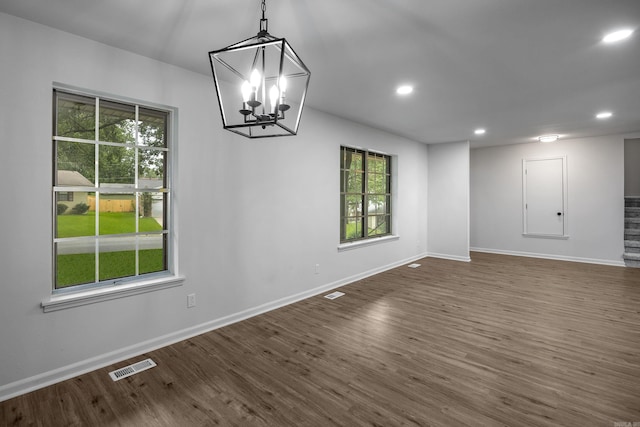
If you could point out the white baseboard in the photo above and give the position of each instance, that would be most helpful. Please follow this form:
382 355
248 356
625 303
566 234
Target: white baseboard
550 256
45 379
449 257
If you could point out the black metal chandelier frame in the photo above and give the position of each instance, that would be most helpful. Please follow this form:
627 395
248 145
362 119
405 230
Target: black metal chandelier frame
252 117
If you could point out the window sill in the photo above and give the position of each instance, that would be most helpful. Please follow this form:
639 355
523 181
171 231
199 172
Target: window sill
368 242
62 302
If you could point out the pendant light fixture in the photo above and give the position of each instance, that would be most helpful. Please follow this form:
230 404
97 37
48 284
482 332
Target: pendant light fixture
261 85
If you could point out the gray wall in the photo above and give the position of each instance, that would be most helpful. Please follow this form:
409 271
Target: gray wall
595 201
632 167
253 218
448 209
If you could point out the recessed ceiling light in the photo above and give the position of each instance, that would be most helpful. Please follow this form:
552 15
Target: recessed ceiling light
617 36
404 90
548 138
604 115
480 131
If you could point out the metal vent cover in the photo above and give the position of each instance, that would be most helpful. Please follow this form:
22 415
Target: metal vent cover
127 371
334 295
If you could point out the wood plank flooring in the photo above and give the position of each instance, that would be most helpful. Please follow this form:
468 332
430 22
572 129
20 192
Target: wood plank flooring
500 341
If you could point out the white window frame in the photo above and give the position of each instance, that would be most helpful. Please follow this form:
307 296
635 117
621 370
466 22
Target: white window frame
132 285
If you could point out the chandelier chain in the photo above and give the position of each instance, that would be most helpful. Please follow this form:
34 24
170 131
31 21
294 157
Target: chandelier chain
263 22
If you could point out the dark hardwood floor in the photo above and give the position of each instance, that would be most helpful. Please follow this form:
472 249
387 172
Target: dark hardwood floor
500 341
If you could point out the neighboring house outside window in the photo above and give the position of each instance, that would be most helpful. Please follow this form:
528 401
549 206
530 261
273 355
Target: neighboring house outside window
70 198
110 191
365 194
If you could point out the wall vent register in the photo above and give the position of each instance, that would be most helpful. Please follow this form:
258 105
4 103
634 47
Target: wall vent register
127 371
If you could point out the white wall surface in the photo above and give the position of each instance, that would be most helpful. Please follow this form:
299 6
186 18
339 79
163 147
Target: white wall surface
448 201
632 167
595 200
253 217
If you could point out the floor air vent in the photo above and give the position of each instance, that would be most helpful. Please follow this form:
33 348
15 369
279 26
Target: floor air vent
334 295
127 371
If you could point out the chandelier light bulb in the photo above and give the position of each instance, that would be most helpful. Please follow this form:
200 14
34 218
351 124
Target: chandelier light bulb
246 91
274 94
283 85
255 79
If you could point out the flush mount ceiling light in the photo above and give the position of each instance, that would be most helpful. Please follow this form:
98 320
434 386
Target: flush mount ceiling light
548 138
604 115
480 131
617 36
261 85
404 90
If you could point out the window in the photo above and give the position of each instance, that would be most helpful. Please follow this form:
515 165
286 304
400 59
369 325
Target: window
65 197
365 194
110 190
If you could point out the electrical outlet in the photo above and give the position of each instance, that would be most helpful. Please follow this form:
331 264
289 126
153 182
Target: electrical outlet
317 268
191 300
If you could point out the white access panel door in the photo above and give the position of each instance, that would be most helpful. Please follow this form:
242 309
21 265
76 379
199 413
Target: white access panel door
544 190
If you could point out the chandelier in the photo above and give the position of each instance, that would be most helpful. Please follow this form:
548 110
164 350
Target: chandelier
261 85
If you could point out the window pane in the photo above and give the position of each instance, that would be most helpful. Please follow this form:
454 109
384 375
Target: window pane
117 257
76 116
376 184
152 127
353 205
377 205
75 164
151 208
376 164
151 168
75 262
381 183
354 183
357 163
117 213
377 225
117 122
345 157
75 219
351 159
353 228
152 253
116 166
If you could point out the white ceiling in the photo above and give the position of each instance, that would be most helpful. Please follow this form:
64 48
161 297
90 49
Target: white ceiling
519 68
